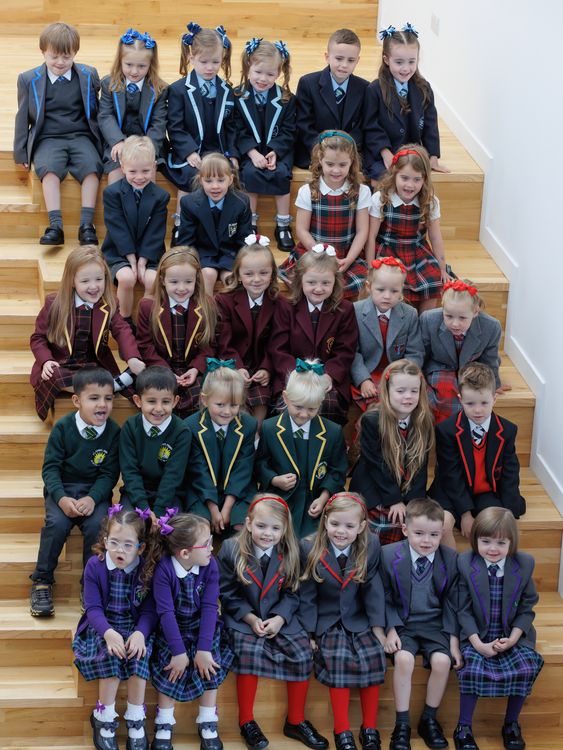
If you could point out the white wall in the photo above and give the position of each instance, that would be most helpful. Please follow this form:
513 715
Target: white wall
495 67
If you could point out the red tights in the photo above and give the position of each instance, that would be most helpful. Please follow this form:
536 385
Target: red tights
340 700
247 684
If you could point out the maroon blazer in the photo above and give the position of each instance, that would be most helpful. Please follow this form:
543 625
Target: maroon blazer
235 339
44 350
159 351
335 343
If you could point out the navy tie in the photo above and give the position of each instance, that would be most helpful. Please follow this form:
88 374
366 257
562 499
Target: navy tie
478 433
261 99
132 88
403 92
60 79
138 194
421 564
204 89
493 569
342 559
264 562
339 94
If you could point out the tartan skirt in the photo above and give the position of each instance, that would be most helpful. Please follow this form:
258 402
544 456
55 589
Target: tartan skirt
188 402
277 658
510 673
258 395
424 278
48 390
365 403
442 390
380 524
349 660
93 661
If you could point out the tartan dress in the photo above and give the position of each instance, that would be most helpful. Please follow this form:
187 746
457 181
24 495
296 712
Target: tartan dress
189 395
256 394
442 389
512 672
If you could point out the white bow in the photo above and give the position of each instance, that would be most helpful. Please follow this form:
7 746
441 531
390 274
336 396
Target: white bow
257 239
323 248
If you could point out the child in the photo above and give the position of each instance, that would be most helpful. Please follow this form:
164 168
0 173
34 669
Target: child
395 440
402 212
399 105
80 469
246 310
333 209
331 99
265 114
154 446
133 100
259 571
496 600
316 324
56 129
72 330
454 336
176 329
476 462
135 216
301 456
420 581
343 610
215 219
388 330
188 660
113 640
220 471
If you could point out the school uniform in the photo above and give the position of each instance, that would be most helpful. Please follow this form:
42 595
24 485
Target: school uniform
267 127
87 345
288 655
470 477
56 128
135 225
491 605
124 113
221 467
318 110
445 357
319 461
198 123
216 237
339 614
176 345
392 129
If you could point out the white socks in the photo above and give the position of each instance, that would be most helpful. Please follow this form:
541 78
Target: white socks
164 716
105 713
207 713
135 713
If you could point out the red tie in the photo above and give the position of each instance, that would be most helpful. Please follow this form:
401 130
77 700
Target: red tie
180 309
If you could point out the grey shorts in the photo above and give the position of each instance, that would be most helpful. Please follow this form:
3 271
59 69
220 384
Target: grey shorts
425 641
115 267
75 154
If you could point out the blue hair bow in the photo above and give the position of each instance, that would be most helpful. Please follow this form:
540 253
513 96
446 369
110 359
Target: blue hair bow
193 28
282 49
130 36
214 364
224 38
408 28
302 366
389 31
252 45
148 40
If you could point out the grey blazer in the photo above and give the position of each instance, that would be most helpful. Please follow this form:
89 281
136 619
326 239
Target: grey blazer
480 345
403 338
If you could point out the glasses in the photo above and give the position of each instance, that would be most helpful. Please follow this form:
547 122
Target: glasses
114 546
207 545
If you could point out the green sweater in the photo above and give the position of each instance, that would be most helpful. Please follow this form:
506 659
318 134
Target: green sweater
156 464
72 459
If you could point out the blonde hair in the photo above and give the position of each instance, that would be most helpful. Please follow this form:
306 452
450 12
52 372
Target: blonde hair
305 388
420 162
117 78
495 523
215 165
265 51
311 261
138 148
372 274
456 295
233 280
61 38
338 140
204 40
230 383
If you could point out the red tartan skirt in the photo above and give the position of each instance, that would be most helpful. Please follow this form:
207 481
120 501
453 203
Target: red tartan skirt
442 390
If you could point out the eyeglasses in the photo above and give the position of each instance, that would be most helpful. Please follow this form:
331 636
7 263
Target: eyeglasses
207 545
112 545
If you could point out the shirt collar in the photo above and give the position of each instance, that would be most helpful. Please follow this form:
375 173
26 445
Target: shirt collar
485 425
500 571
415 556
324 189
181 572
218 205
345 551
138 84
399 85
336 85
259 553
218 427
147 426
311 307
79 301
386 314
406 419
110 565
81 424
173 303
305 427
200 81
258 301
396 201
54 77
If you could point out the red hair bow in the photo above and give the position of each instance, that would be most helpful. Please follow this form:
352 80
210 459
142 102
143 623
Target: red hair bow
460 286
404 152
388 261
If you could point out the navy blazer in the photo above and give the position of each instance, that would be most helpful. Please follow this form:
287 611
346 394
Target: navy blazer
31 108
519 597
280 124
317 110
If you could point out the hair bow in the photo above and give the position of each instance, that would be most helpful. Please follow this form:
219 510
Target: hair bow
114 509
165 527
214 364
193 28
252 45
322 247
148 40
144 514
302 366
460 286
389 31
336 134
170 512
282 48
404 152
408 28
388 261
224 38
257 239
130 36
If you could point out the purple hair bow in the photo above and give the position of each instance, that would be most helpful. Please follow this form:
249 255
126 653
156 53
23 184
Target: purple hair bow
165 527
144 514
113 509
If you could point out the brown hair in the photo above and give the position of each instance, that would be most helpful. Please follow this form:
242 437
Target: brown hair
265 51
344 36
233 280
61 38
424 506
117 78
386 82
215 165
478 376
186 529
204 40
420 162
495 523
318 262
142 529
340 141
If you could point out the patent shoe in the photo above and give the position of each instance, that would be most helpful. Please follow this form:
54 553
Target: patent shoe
464 739
137 743
284 238
345 740
53 236
210 743
104 743
253 736
431 732
87 234
306 733
400 737
370 739
512 736
158 744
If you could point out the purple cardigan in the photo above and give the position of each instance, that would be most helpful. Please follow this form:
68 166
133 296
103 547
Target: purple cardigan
166 589
96 598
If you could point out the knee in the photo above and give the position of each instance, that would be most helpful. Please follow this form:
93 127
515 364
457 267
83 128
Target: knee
440 663
126 279
404 662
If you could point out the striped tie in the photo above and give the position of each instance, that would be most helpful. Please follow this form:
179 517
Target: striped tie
299 434
493 570
90 433
154 431
403 92
132 88
220 434
339 94
477 434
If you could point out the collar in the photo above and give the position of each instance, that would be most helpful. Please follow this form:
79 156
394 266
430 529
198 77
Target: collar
81 424
258 301
138 84
311 307
305 427
406 419
181 572
415 556
345 551
324 189
396 201
218 205
257 94
110 565
162 427
53 76
386 314
399 86
500 571
217 427
485 425
79 301
336 85
173 303
259 553
211 83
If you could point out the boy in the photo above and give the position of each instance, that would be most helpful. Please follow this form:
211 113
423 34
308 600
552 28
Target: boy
420 581
154 445
56 129
476 462
80 469
331 99
135 217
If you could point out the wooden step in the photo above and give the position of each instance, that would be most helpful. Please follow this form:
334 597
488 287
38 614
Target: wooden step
18 396
16 199
43 687
17 321
22 442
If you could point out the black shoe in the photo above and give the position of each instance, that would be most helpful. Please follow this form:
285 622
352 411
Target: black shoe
139 743
400 738
370 739
253 736
53 236
431 732
284 238
464 739
87 234
41 600
104 743
306 733
512 736
162 744
345 740
213 743
174 237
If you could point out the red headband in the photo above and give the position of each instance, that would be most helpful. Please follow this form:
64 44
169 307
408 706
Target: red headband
404 152
268 497
347 496
460 286
388 261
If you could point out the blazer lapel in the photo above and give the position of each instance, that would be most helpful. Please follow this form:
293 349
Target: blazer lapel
148 98
226 215
439 573
327 93
480 581
465 446
471 343
194 322
511 590
326 320
317 444
248 107
495 446
303 319
165 326
402 574
285 438
38 87
233 442
85 78
370 321
448 344
349 103
129 206
220 102
207 218
242 309
194 97
273 112
145 208
395 325
264 317
208 444
119 105
100 328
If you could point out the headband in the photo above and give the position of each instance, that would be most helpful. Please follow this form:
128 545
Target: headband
336 134
460 286
257 239
275 498
346 496
282 48
302 366
132 35
114 509
404 152
214 364
224 38
323 247
193 28
252 45
388 261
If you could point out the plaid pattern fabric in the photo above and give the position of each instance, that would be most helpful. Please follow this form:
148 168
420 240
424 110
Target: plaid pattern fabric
510 673
380 524
365 403
349 660
258 395
403 235
178 339
189 395
332 408
48 390
278 658
442 390
83 347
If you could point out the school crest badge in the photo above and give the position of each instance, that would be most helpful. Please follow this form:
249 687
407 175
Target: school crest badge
321 470
98 456
232 229
329 344
105 337
164 452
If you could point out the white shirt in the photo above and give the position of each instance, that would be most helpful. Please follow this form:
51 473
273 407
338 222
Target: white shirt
386 314
375 208
147 426
485 425
54 76
218 427
305 427
79 301
181 572
173 303
259 553
81 425
337 552
500 571
311 307
415 556
303 199
138 84
258 301
110 565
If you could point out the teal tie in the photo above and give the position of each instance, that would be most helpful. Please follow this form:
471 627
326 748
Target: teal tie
90 433
220 435
154 431
299 434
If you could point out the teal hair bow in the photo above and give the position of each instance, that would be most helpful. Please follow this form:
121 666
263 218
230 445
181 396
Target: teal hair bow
316 367
214 364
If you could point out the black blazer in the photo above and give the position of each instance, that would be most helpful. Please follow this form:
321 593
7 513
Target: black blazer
280 124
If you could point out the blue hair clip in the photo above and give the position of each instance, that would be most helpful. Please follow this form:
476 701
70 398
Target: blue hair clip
148 40
282 49
193 28
408 28
389 31
252 45
130 36
224 38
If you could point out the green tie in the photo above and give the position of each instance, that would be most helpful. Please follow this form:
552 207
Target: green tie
154 431
220 435
90 433
299 434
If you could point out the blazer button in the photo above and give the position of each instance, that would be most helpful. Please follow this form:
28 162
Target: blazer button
402 131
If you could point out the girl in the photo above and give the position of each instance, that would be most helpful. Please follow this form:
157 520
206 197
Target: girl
265 114
133 99
395 440
177 328
72 330
388 329
343 606
220 470
399 105
113 640
188 660
334 209
316 324
246 310
300 455
457 334
401 212
215 218
259 590
496 600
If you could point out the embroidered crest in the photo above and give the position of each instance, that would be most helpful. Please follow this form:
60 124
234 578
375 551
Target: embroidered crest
321 470
200 587
232 229
98 456
421 123
139 594
399 348
329 344
105 337
275 131
164 452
